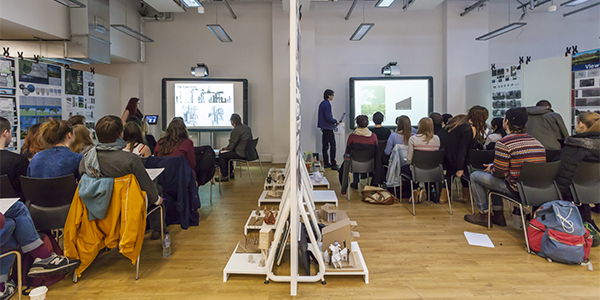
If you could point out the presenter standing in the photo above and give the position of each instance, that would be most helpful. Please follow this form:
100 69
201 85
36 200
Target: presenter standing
327 124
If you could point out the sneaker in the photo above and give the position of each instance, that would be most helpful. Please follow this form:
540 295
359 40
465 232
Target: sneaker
498 218
10 289
53 265
327 166
334 167
354 185
221 178
477 219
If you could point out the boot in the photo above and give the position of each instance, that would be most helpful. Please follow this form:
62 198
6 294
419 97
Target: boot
422 195
415 196
443 196
498 218
477 219
466 194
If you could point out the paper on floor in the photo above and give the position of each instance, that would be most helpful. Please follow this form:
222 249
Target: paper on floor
478 239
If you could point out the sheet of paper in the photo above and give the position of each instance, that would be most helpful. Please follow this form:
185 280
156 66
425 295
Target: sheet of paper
478 239
6 203
153 173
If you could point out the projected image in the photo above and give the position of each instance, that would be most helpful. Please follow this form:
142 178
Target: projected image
393 98
204 104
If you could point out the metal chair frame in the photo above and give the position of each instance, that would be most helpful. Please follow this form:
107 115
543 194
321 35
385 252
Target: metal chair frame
413 179
240 160
19 270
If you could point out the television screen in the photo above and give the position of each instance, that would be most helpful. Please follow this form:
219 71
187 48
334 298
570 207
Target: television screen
392 96
205 104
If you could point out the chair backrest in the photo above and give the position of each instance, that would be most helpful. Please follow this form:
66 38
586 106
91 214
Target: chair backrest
251 153
536 183
427 166
552 155
6 188
362 158
49 200
477 159
586 184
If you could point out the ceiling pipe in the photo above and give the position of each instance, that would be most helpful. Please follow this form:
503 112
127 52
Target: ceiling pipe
473 7
351 9
230 10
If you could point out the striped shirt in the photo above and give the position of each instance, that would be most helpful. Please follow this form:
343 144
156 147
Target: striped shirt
512 151
419 142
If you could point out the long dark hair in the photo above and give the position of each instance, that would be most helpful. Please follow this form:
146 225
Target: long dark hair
132 133
477 115
174 135
404 126
132 106
499 128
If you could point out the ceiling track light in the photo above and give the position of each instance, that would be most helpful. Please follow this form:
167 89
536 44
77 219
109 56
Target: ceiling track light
581 9
573 2
500 31
71 3
132 33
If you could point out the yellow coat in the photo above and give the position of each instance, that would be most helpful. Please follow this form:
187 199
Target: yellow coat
123 226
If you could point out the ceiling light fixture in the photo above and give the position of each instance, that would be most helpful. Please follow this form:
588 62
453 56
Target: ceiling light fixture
71 3
191 3
581 9
501 31
384 3
218 31
132 32
362 29
573 2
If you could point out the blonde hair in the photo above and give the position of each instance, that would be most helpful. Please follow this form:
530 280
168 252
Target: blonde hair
591 121
426 128
82 138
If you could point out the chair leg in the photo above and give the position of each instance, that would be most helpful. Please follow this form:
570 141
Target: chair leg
261 171
19 271
248 168
471 196
137 268
489 211
349 189
412 197
74 277
211 184
448 193
524 228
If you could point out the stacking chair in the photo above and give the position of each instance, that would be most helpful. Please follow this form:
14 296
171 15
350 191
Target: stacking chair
358 165
251 156
552 155
477 159
6 188
49 200
536 186
586 184
427 166
16 253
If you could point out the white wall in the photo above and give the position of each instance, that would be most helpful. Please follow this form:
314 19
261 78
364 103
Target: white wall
48 17
479 89
107 96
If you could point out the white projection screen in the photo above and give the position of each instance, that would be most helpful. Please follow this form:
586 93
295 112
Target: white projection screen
204 104
392 96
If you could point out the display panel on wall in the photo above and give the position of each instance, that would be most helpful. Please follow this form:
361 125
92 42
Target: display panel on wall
585 83
204 104
507 90
80 96
392 96
40 93
8 102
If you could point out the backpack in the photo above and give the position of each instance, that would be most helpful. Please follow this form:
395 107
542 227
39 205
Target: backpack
205 164
557 234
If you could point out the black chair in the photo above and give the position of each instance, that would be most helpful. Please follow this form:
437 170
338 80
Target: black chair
427 167
251 156
49 200
586 184
6 188
362 163
552 155
536 186
477 161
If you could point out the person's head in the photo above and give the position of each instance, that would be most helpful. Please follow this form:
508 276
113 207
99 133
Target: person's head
544 103
144 127
404 127
133 105
377 118
132 134
134 119
175 134
33 143
328 94
477 115
446 118
515 120
109 129
83 138
5 132
497 126
588 122
235 120
56 132
362 121
77 120
436 118
426 128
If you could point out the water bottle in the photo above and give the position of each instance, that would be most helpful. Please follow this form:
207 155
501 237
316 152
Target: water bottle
167 245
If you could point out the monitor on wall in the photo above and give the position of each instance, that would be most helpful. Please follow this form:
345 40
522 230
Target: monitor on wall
392 96
204 104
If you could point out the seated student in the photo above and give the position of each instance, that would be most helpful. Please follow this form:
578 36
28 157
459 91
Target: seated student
59 160
446 118
18 231
132 135
33 142
401 136
438 121
83 139
107 160
77 120
176 142
361 135
512 151
11 164
150 140
236 149
584 146
496 135
381 132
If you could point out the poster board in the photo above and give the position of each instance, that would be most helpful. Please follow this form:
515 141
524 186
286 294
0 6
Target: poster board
8 102
507 90
585 96
80 97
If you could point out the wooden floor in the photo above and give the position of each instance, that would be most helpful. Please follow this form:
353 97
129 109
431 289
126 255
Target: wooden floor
408 257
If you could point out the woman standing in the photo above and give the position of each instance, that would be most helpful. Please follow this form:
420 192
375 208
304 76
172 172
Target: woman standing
132 110
176 142
460 135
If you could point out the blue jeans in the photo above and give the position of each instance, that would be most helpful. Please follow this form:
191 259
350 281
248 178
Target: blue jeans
18 231
480 181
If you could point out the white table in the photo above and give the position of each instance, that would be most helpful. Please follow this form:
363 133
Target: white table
321 196
238 264
323 183
247 226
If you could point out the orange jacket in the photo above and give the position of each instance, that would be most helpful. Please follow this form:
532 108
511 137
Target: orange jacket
123 226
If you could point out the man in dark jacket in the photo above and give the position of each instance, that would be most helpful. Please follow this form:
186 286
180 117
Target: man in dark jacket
327 124
545 125
12 164
236 149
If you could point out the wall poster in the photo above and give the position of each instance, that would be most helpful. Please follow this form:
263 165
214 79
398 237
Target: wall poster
80 96
585 82
8 103
507 90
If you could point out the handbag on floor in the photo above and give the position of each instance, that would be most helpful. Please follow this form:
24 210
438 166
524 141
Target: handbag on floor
375 195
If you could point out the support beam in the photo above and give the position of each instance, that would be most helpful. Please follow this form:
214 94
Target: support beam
351 9
581 9
230 10
536 5
473 7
